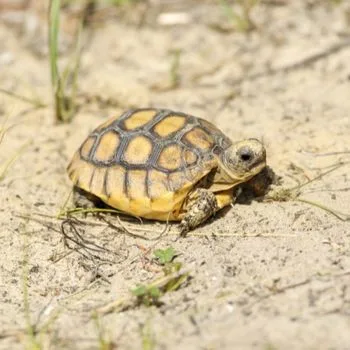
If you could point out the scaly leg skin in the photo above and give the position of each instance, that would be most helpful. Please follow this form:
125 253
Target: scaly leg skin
200 206
82 199
260 183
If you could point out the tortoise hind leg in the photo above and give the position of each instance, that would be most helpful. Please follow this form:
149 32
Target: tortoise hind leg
86 200
200 205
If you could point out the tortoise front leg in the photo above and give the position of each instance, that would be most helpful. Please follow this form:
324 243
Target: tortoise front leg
200 205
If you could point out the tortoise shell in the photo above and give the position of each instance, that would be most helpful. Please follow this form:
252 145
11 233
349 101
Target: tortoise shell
146 161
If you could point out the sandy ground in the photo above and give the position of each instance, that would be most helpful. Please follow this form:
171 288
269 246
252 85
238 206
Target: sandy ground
264 275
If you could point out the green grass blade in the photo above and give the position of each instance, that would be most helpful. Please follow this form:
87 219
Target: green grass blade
54 21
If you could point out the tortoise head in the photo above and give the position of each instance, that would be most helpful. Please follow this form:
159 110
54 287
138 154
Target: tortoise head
242 160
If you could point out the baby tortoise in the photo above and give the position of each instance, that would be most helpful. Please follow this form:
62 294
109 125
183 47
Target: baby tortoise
163 165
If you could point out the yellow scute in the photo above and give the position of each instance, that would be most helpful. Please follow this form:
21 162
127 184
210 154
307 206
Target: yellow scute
139 119
138 150
115 183
190 157
157 183
120 202
72 167
169 125
140 206
164 203
170 157
87 146
82 175
199 138
107 146
136 184
97 183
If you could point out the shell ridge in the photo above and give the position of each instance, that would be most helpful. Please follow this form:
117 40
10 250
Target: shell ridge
157 148
188 127
147 184
124 141
105 183
94 147
163 113
126 184
91 178
88 157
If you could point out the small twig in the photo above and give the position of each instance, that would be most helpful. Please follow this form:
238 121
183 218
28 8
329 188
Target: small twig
337 166
327 154
87 248
294 66
293 193
338 215
133 234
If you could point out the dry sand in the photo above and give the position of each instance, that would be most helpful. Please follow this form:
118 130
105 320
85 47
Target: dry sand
264 275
